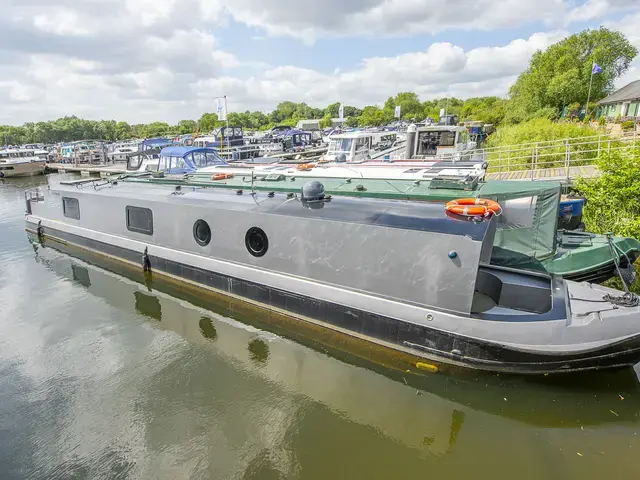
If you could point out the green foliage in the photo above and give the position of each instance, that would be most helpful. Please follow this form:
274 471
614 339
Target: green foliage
618 118
452 106
601 121
325 122
538 130
156 129
628 125
375 116
612 205
207 122
560 75
353 122
186 126
410 106
483 109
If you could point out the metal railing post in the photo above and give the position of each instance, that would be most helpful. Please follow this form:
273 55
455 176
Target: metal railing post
567 156
533 159
599 146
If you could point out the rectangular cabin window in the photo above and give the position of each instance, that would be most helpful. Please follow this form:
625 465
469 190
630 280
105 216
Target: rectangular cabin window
71 208
140 220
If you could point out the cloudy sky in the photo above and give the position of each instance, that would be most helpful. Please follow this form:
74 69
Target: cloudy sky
146 60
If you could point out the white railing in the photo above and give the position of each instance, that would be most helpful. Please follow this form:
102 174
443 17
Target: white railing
555 154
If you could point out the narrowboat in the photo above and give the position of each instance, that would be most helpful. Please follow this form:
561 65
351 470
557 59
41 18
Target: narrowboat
407 276
530 234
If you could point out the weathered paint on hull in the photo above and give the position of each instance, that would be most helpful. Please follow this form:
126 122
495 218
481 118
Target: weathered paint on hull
23 170
414 341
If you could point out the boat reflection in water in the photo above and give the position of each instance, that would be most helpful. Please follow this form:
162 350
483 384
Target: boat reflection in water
417 409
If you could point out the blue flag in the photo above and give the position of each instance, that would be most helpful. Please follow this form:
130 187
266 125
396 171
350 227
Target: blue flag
595 68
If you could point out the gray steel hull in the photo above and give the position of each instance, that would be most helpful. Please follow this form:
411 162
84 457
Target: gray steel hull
433 344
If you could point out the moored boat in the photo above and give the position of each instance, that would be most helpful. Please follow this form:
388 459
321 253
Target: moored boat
528 234
403 275
20 163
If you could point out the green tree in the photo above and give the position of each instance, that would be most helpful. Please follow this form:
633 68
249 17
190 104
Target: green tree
374 116
353 121
156 129
123 131
332 110
207 122
285 110
325 122
560 75
186 126
410 106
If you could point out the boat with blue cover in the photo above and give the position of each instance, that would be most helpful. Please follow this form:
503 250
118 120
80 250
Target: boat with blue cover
399 274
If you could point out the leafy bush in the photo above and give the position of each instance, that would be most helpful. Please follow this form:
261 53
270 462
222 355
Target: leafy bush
613 205
628 125
538 130
618 118
601 121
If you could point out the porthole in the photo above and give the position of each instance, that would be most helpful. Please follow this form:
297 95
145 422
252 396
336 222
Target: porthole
256 241
202 233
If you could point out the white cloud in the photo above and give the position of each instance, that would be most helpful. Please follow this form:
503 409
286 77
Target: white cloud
145 60
442 69
628 25
310 19
598 8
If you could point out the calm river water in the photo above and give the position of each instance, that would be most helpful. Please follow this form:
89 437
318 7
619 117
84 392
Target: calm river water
104 376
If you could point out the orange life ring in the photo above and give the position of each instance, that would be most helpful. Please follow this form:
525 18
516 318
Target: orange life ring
305 166
473 207
222 176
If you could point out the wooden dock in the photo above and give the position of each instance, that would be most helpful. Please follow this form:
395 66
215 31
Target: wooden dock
86 169
550 174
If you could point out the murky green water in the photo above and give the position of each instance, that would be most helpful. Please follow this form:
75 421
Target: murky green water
102 376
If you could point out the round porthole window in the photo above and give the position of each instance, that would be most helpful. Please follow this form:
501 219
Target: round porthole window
202 233
256 241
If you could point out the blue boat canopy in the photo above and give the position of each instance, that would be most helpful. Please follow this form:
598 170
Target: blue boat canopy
188 159
150 143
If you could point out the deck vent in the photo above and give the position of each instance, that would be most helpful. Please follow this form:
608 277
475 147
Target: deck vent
313 191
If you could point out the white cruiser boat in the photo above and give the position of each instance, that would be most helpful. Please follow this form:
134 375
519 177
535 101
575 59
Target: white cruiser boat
119 152
362 146
20 163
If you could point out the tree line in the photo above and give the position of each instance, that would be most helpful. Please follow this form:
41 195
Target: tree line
488 109
556 80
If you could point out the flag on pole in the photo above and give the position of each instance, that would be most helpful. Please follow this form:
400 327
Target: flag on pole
341 112
221 108
595 68
397 112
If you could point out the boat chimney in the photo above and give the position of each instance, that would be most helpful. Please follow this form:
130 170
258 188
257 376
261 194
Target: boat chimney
411 140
